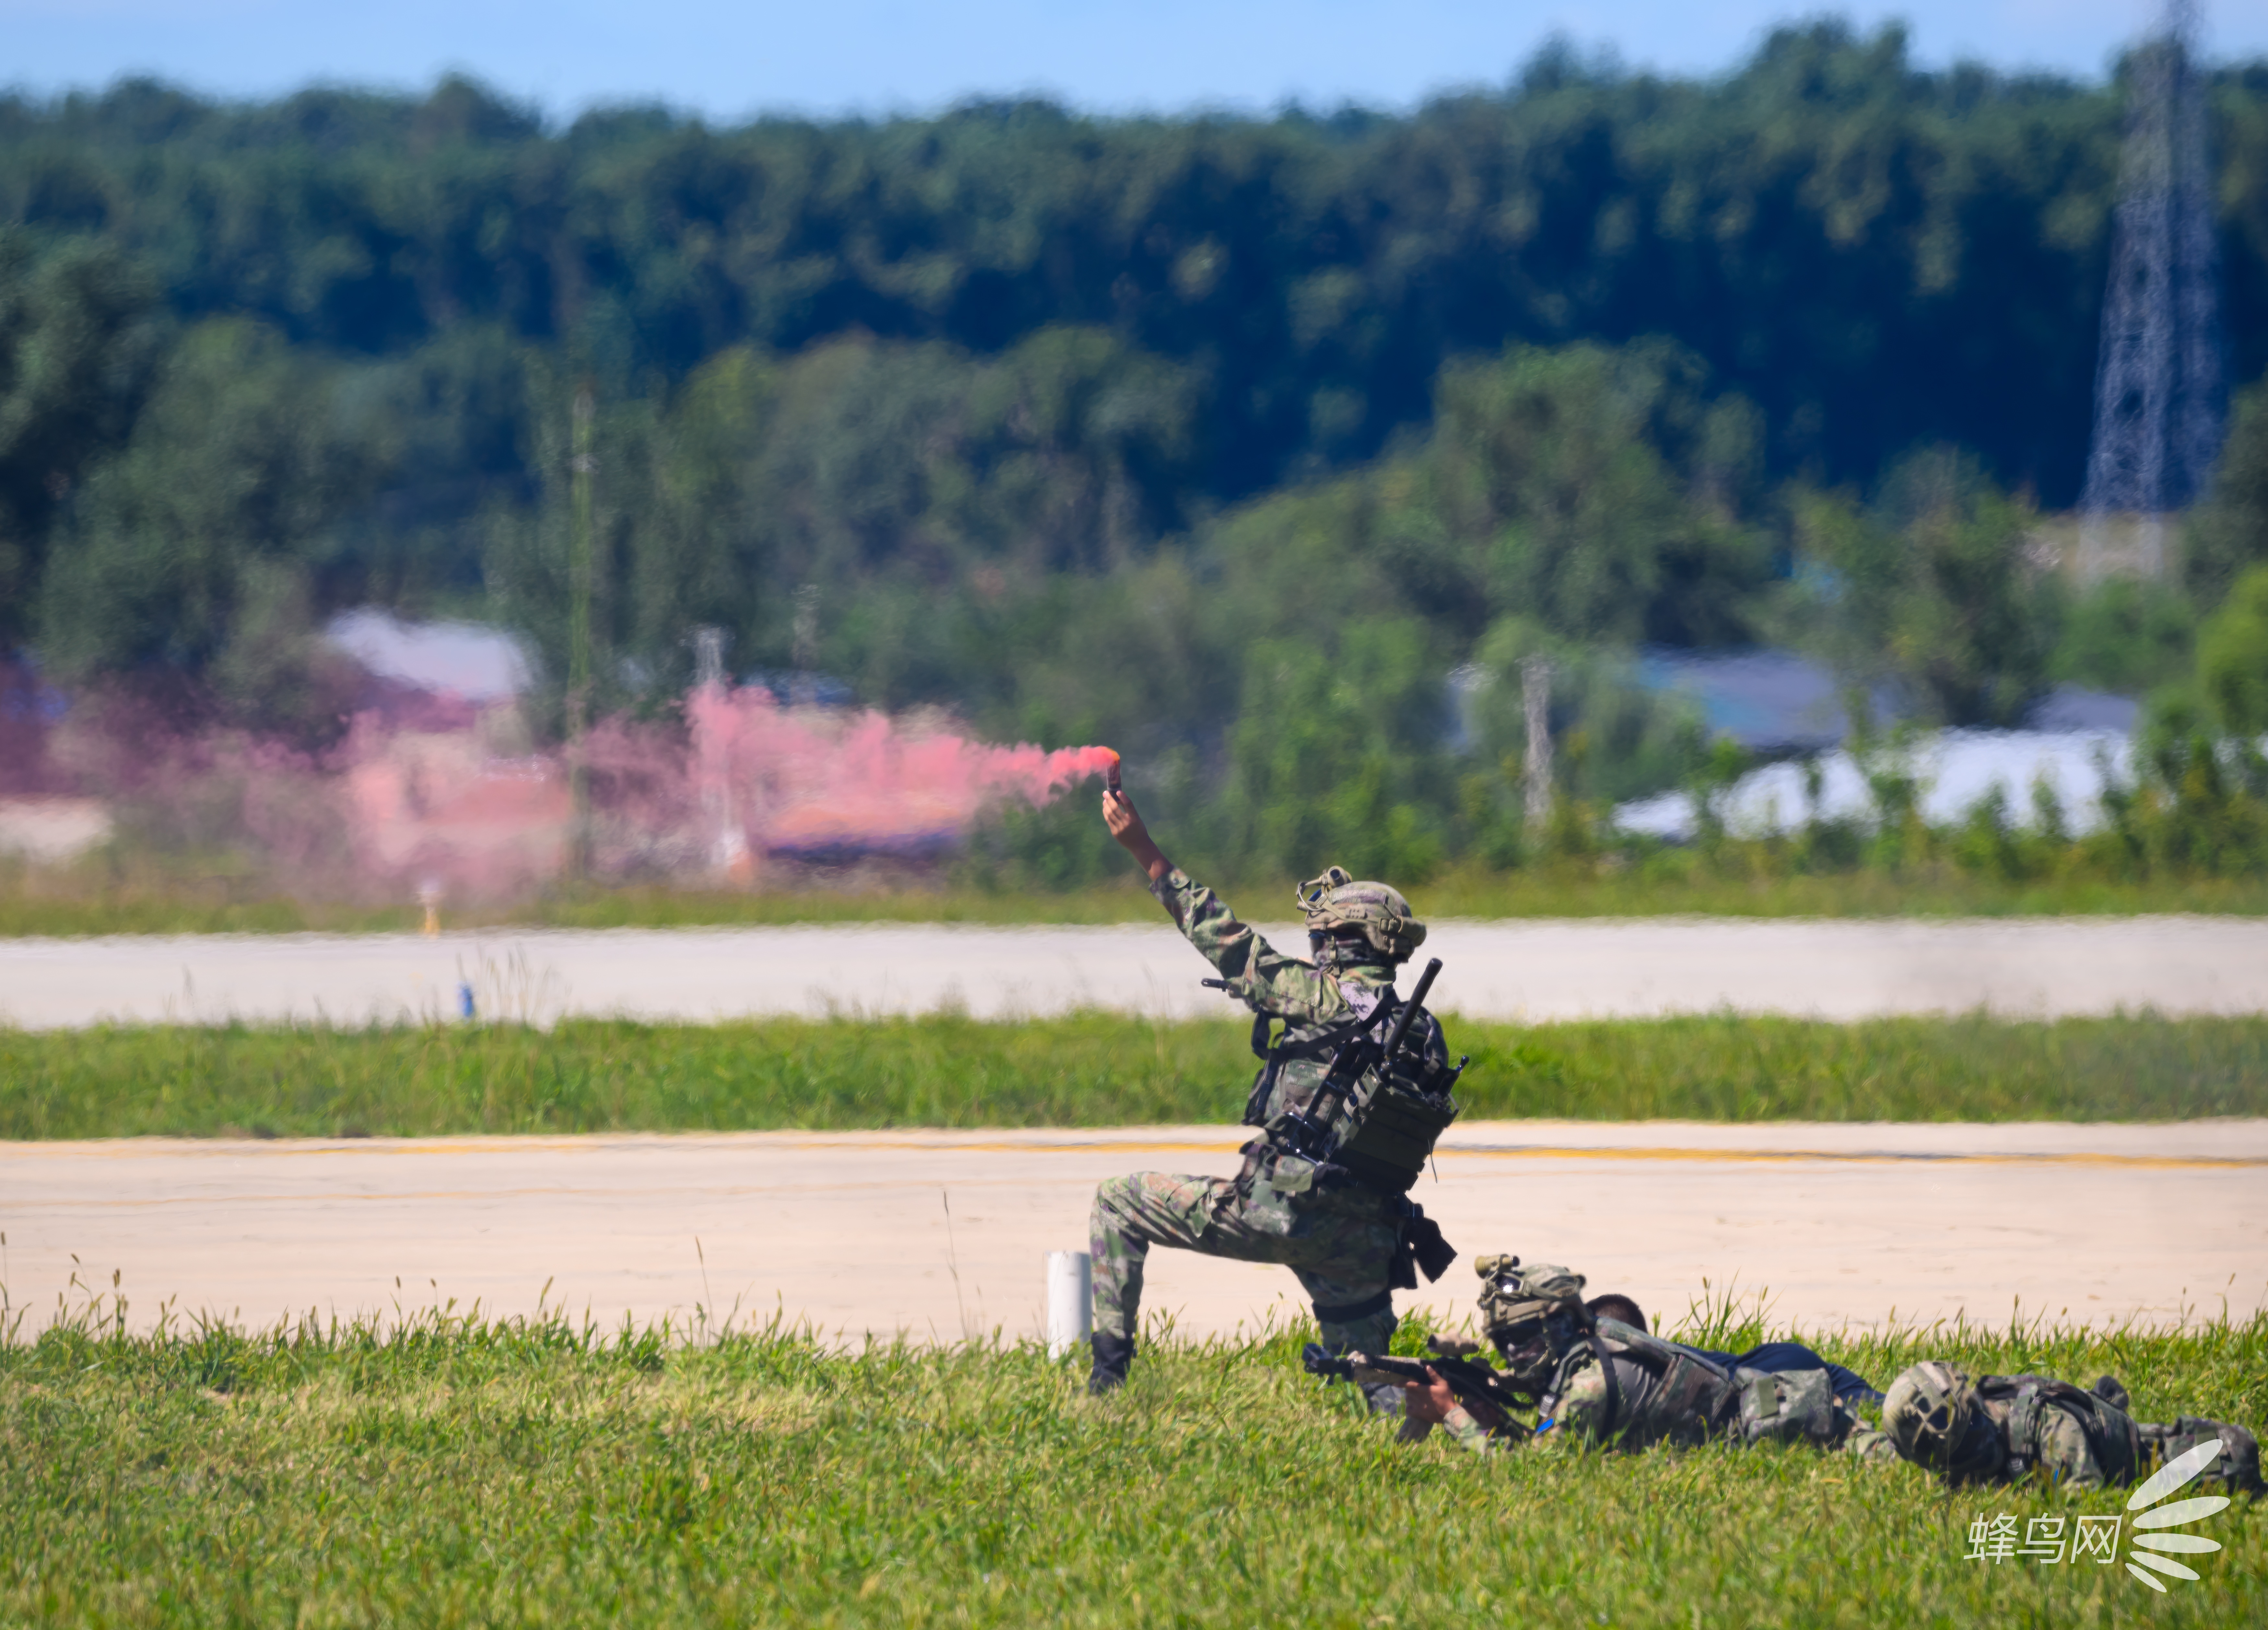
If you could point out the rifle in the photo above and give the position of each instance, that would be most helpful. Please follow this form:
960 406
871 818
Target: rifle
1488 1396
1307 1132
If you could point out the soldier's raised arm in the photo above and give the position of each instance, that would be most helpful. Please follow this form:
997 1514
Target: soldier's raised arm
1257 972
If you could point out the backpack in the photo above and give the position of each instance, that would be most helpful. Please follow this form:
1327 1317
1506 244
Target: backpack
1788 1406
2237 1470
1387 1129
1383 1131
2016 1403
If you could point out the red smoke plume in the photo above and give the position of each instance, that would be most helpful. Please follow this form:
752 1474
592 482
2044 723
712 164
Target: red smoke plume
445 797
803 781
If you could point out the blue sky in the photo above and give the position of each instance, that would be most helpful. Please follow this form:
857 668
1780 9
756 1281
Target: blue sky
726 60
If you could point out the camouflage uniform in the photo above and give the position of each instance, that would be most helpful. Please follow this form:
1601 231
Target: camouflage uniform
1341 1252
1341 1240
1582 1412
2001 1429
1602 1385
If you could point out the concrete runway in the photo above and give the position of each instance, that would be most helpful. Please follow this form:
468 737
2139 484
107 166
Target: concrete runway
1533 969
941 1235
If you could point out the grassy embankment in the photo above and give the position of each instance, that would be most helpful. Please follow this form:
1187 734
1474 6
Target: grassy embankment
80 903
1087 1069
532 1473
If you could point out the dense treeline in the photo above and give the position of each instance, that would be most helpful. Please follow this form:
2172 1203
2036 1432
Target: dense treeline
1877 255
1227 439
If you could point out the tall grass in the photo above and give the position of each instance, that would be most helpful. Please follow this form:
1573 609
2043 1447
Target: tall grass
1087 1069
444 1469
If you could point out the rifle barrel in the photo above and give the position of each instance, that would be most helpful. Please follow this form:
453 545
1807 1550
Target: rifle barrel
1410 1008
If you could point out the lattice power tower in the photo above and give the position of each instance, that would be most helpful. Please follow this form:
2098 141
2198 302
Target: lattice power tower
2160 401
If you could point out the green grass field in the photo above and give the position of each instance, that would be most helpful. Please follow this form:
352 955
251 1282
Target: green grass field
1087 1069
85 902
461 1472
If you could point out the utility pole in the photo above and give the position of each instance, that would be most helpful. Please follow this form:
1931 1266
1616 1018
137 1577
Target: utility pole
2161 404
709 710
578 639
708 656
1535 699
803 656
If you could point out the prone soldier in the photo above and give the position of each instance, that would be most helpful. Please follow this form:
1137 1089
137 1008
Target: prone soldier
2001 1429
1598 1383
1323 1190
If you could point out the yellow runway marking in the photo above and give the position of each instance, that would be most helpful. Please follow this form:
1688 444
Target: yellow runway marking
602 1144
1480 1153
1870 1157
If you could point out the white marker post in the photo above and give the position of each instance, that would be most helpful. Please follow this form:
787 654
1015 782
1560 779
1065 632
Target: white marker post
1070 1301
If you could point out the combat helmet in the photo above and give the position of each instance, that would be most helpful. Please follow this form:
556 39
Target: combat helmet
1529 1311
1337 906
1931 1412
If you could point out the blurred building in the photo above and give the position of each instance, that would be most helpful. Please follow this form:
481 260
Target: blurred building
1784 706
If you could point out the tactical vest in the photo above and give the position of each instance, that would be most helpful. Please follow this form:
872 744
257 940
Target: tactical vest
1657 1392
1292 1065
1384 1130
2015 1405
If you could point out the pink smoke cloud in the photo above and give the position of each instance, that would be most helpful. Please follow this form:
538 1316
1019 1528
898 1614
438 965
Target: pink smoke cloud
450 797
436 807
802 780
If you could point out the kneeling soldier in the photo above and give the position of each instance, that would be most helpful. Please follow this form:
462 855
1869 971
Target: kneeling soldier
1338 1217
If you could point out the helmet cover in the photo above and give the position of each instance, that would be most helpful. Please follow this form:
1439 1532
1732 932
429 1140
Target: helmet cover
1513 1297
1928 1411
1336 903
1530 1315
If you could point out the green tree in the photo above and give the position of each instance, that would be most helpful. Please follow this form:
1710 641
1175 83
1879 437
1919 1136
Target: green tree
78 339
1929 588
1599 491
187 556
2125 634
2227 534
1330 759
2232 657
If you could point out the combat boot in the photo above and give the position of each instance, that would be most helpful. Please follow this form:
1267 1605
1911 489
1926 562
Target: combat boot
1112 1356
